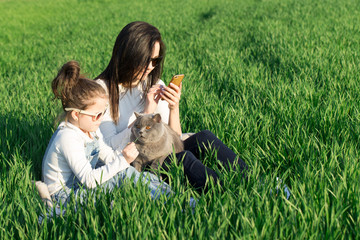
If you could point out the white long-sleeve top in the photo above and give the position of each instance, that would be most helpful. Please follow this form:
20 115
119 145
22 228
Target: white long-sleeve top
71 157
118 135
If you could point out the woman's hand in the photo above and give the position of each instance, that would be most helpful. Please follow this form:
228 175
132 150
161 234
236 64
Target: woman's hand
172 95
152 99
130 152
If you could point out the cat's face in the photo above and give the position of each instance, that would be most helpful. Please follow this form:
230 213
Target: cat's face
147 128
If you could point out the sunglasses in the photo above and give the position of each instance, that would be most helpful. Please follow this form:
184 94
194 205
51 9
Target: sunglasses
156 61
95 116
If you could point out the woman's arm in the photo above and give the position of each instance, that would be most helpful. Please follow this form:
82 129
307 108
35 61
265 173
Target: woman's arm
172 95
174 121
152 99
169 106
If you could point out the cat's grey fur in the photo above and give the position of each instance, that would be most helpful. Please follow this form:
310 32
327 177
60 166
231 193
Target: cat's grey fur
154 144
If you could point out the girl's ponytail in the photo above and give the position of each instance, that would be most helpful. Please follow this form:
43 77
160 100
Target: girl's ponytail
73 89
65 81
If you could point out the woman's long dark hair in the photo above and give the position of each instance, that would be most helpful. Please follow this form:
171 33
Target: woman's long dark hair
131 55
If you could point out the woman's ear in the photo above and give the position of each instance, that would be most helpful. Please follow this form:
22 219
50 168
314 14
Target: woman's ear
75 115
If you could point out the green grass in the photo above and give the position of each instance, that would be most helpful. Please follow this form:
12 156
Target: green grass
276 80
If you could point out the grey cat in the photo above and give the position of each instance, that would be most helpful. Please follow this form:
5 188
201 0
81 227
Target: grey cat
154 140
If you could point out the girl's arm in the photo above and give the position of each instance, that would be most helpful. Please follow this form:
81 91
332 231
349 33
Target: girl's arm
113 138
74 152
107 154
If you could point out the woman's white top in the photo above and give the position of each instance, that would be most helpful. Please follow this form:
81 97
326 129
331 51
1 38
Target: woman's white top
118 135
71 156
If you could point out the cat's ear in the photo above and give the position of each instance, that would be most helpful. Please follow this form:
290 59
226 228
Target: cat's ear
157 117
137 114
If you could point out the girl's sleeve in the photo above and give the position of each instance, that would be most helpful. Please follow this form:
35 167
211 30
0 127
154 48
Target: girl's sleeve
113 138
74 153
107 154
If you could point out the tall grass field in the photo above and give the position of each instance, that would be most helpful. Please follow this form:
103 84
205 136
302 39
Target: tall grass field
276 80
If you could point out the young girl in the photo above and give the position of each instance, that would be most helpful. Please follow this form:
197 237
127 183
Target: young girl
132 79
75 149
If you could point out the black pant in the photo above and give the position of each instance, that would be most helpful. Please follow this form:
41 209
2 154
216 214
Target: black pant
194 169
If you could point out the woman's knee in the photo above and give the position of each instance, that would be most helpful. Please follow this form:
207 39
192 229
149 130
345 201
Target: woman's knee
206 134
206 139
186 154
188 160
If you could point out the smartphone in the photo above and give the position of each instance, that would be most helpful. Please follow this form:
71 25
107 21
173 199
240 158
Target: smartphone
176 79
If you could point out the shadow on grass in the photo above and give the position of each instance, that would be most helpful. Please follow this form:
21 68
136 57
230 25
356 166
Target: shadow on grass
208 15
26 136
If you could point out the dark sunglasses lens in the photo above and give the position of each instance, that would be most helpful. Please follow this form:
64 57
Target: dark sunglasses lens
155 61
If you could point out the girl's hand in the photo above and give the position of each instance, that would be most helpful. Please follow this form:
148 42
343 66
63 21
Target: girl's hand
130 152
172 95
152 99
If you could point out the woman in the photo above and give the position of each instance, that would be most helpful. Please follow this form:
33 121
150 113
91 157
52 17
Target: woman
132 79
